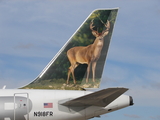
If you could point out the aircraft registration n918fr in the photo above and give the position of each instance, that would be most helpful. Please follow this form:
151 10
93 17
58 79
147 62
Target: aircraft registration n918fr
61 90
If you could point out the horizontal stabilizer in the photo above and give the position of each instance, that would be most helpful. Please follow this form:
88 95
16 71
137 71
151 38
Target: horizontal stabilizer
100 98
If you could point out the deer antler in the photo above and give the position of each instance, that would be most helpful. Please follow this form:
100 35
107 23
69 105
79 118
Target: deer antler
107 25
91 25
106 31
94 32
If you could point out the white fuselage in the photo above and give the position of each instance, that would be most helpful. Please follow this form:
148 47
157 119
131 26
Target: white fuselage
23 104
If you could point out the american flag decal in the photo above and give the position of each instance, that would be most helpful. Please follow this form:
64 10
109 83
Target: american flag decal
48 105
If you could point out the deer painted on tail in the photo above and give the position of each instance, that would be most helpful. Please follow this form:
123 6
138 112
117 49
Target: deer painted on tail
87 54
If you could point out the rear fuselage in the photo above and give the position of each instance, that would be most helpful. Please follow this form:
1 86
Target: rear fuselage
23 104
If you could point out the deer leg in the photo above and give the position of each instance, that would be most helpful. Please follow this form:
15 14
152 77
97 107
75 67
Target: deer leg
74 79
93 69
69 72
88 70
72 68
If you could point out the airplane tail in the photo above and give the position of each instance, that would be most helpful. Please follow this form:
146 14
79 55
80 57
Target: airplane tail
79 63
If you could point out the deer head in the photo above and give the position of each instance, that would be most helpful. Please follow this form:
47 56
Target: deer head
104 32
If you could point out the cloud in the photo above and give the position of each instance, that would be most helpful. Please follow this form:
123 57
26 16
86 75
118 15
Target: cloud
24 46
144 96
143 83
135 54
155 117
132 116
156 85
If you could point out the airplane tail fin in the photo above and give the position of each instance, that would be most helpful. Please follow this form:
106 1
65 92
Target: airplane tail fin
79 63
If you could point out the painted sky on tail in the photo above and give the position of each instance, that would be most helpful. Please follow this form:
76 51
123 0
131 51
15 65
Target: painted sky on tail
32 32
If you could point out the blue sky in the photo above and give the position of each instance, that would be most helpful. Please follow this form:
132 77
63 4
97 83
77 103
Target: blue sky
32 32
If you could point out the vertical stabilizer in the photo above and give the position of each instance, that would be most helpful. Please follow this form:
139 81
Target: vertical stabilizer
79 63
